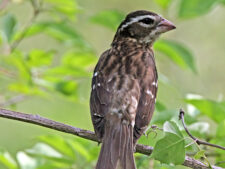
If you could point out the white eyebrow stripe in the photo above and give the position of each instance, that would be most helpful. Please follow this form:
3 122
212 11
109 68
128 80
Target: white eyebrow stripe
137 19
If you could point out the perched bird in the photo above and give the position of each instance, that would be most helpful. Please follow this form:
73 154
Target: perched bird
124 87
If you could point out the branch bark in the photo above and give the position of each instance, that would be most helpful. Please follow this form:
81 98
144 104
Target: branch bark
41 121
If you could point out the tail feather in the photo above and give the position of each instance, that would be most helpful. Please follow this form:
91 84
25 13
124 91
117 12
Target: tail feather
117 147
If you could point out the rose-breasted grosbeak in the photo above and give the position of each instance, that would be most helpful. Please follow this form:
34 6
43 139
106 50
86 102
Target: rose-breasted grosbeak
124 88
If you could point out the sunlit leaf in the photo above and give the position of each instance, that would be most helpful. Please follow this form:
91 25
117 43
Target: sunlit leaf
163 3
59 144
177 52
199 154
22 87
171 148
79 59
193 8
39 57
16 59
44 149
214 110
7 160
61 32
25 161
67 7
66 87
171 127
109 19
9 26
66 71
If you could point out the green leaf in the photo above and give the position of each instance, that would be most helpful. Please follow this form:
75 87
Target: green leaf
66 7
177 52
222 1
9 26
66 87
171 148
39 58
78 147
16 59
26 162
163 3
194 8
59 144
171 127
25 88
209 108
161 116
219 141
7 160
79 59
220 132
65 71
159 106
44 150
60 31
109 19
199 154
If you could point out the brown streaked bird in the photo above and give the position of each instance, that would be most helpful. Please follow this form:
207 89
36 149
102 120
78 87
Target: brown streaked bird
124 88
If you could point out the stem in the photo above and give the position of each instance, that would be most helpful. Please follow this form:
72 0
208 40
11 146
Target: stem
199 142
36 12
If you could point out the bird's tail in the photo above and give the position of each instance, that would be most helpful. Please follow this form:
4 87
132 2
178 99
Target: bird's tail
117 146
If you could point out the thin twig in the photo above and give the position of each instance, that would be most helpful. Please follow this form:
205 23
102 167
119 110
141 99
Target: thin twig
36 11
41 121
199 142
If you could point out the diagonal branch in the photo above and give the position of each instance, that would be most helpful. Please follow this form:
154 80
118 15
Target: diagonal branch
41 121
181 117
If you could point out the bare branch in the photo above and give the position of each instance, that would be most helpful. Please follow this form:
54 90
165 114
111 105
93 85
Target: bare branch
181 117
41 121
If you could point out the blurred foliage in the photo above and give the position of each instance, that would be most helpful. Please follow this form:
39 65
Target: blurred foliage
65 72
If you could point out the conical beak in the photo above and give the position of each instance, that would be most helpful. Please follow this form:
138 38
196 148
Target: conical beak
165 25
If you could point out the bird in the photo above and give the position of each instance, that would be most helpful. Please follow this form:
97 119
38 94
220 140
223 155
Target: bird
124 88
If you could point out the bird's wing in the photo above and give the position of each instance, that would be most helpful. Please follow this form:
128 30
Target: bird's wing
147 100
100 97
112 93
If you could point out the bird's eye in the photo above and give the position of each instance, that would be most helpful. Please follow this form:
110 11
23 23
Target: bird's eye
147 21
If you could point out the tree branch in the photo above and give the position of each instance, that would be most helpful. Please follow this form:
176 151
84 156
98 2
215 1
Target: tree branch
181 117
41 121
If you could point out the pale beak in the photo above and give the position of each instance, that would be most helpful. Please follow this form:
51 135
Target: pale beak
165 25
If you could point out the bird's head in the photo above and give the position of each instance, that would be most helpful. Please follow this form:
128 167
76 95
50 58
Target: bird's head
144 26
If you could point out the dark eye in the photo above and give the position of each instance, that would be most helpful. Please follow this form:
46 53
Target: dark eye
147 21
